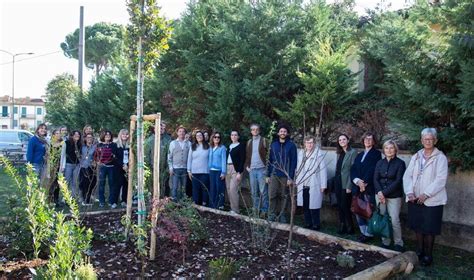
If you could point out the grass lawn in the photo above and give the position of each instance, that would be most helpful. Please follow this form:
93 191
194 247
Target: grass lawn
7 188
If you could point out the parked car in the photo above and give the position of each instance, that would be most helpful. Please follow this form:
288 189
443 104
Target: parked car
14 142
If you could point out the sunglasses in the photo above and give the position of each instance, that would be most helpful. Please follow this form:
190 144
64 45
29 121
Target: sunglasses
217 137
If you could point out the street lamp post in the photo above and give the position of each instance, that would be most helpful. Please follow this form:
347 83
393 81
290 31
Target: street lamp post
14 55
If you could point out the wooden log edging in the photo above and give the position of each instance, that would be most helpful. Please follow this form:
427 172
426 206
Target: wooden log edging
397 262
320 237
402 263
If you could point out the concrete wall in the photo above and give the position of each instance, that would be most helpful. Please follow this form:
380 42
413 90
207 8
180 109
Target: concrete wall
458 215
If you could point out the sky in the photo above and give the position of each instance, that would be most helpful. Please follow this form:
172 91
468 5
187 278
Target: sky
39 27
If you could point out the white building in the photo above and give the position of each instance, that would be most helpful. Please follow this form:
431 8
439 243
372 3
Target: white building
28 112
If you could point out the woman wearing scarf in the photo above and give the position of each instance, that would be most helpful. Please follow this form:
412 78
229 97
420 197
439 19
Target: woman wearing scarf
54 162
36 151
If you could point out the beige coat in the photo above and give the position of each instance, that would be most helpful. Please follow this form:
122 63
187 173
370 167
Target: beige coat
311 172
430 181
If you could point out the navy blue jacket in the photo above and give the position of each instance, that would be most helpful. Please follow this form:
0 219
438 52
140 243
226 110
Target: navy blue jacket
35 151
388 177
282 156
365 171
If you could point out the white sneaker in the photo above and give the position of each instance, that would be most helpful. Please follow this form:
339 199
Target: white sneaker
83 203
124 204
113 206
233 212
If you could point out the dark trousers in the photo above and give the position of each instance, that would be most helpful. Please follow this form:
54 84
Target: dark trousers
201 189
54 191
279 196
120 185
105 172
311 216
217 190
87 183
344 206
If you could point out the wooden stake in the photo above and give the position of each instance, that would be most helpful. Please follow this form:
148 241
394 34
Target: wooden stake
156 185
131 167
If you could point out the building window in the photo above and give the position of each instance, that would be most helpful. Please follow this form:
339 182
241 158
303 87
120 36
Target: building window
15 110
4 111
23 112
4 126
39 111
15 123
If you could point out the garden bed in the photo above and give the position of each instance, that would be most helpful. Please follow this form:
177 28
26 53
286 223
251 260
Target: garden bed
228 237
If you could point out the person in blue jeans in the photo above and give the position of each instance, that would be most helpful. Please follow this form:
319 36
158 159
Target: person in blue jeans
217 171
177 163
198 169
255 164
105 154
362 175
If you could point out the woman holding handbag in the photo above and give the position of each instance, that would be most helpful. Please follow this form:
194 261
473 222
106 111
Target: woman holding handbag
388 184
362 175
424 184
343 184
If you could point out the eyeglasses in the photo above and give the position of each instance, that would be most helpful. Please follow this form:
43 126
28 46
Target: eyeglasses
234 135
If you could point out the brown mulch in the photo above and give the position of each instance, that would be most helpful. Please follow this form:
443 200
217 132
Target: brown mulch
228 237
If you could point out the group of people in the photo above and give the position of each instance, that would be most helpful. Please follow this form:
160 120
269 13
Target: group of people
385 181
83 160
272 167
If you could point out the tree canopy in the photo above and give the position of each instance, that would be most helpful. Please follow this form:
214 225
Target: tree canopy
104 43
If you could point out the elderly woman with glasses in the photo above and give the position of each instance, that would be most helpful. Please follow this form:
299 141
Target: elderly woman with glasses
424 184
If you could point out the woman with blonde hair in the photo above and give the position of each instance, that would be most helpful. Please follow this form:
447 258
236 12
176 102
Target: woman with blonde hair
121 169
388 184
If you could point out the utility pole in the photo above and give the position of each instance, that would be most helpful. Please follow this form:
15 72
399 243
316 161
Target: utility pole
81 47
14 55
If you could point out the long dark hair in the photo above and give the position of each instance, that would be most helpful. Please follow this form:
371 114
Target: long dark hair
339 148
205 144
71 137
105 132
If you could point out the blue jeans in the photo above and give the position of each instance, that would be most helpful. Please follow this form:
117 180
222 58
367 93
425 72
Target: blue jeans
259 189
217 190
38 169
178 183
201 189
71 174
105 172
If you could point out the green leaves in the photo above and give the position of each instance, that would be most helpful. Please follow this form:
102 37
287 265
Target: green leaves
104 43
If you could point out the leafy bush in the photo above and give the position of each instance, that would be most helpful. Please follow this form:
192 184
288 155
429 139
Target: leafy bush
85 272
222 268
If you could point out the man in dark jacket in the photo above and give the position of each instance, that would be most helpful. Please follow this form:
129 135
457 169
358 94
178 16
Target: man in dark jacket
281 173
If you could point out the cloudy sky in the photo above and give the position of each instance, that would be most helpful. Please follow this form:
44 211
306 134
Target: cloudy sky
39 27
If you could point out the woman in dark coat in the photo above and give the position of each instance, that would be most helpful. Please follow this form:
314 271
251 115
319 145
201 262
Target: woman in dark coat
362 175
388 183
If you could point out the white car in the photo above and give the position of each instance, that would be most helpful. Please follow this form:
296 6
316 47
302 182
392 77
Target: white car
14 141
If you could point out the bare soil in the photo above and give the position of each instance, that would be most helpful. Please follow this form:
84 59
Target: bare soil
229 237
